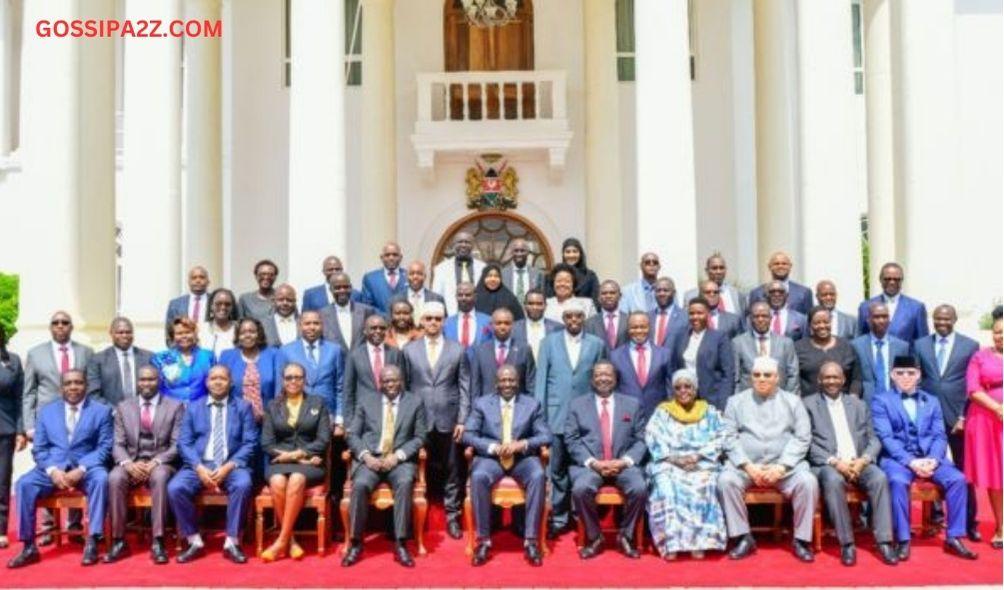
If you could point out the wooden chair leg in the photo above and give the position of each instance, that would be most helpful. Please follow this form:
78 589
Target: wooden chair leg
322 530
343 507
468 525
545 515
817 530
259 529
57 523
580 534
421 511
639 533
778 514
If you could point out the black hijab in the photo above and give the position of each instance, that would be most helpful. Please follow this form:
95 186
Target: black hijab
487 301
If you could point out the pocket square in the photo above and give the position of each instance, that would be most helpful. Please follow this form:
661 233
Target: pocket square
314 412
626 418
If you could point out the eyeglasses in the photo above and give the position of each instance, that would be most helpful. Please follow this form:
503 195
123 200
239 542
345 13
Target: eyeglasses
904 372
60 323
292 377
712 292
776 291
650 262
892 279
761 375
434 318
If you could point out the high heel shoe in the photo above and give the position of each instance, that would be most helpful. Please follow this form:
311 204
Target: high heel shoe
273 553
997 542
295 551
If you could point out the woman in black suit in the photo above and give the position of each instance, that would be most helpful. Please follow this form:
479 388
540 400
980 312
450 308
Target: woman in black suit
11 430
295 434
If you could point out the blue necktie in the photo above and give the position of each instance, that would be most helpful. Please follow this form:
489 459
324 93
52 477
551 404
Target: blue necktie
312 353
942 349
881 377
219 452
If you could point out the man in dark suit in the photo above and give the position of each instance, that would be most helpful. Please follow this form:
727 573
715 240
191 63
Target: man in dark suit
416 294
382 284
907 316
112 373
908 421
844 451
195 303
842 325
667 319
438 371
385 435
944 358
532 329
468 326
733 300
711 352
784 320
73 440
217 444
718 318
507 431
799 296
343 320
759 341
324 365
318 297
643 370
147 429
876 350
281 325
364 365
502 349
519 276
610 324
605 434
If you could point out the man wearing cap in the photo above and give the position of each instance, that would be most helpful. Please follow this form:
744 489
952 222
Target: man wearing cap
909 423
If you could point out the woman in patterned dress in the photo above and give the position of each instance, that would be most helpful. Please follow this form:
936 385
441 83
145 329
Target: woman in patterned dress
685 438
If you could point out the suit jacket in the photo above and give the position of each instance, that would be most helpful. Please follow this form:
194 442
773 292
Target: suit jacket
444 280
11 390
893 427
482 328
738 299
316 298
196 426
179 307
311 431
796 326
445 389
167 420
656 388
410 427
269 375
534 277
484 366
92 439
866 359
715 362
847 325
949 387
483 427
332 330
677 322
519 329
427 296
360 383
908 323
799 297
272 330
730 323
597 326
824 437
323 379
584 438
557 381
104 379
782 349
42 379
376 290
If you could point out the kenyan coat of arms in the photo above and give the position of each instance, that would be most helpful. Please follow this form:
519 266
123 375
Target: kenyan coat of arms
492 184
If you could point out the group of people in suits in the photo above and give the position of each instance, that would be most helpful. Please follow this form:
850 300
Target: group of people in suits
682 407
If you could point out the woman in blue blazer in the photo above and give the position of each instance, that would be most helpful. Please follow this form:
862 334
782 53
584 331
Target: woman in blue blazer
255 386
183 367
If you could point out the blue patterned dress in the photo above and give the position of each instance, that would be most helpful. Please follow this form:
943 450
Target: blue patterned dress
181 381
683 509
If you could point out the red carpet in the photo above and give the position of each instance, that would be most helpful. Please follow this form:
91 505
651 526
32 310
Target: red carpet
446 566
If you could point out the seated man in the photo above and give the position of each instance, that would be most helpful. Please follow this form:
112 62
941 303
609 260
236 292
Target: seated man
605 435
908 421
507 431
146 448
385 435
217 444
843 452
73 440
773 435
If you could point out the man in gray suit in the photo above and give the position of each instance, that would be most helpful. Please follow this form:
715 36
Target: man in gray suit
843 452
281 325
385 435
759 341
416 294
519 275
364 364
112 373
437 371
344 319
842 325
146 448
733 300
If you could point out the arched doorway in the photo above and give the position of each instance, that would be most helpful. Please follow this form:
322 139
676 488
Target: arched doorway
493 233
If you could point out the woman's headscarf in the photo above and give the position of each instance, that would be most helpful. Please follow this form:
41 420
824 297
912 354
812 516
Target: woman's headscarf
684 375
674 409
487 301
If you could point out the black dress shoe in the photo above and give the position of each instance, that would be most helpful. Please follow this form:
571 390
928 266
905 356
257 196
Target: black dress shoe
887 554
532 554
190 554
848 554
90 552
974 535
402 556
119 550
453 529
955 547
903 551
802 551
353 554
744 547
592 548
626 547
157 552
77 538
480 556
27 556
234 554
555 531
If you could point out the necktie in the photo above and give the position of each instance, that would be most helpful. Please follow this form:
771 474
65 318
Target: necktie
642 368
465 340
128 386
775 325
606 431
377 365
146 417
713 320
64 359
611 331
520 283
312 353
72 422
500 355
506 433
660 327
721 303
251 390
218 447
910 406
392 279
196 309
762 347
942 354
433 352
387 437
880 371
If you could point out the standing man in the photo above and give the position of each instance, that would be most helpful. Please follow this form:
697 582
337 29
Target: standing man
760 341
799 296
907 316
564 365
610 324
784 319
876 350
112 373
45 366
323 363
318 297
147 429
640 295
462 267
382 284
365 364
733 300
719 319
519 276
667 319
195 303
605 434
438 372
280 326
343 320
500 350
468 326
532 329
416 294
644 371
842 325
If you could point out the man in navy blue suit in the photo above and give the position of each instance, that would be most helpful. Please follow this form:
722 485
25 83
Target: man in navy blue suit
318 297
500 350
668 318
908 316
382 284
195 303
908 421
217 444
643 370
799 296
876 350
784 320
324 364
468 326
73 440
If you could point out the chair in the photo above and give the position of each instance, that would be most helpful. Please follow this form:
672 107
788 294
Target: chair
141 500
927 493
316 498
775 499
383 498
611 496
506 493
61 500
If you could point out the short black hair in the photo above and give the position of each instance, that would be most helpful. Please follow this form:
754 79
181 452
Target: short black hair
265 262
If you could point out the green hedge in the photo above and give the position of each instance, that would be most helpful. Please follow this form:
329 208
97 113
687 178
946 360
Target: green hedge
9 292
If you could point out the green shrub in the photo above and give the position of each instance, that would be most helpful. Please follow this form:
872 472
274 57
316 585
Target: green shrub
9 291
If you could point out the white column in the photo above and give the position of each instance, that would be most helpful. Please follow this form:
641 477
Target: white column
151 172
202 205
317 203
65 217
378 195
667 217
604 201
7 70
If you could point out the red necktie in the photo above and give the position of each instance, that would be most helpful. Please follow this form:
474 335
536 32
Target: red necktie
64 359
611 331
721 304
660 327
195 309
713 321
377 365
642 368
465 341
606 431
146 417
500 356
775 326
392 280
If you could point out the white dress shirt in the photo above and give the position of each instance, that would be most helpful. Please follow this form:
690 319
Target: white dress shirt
535 332
203 305
633 351
891 303
846 450
693 345
208 454
286 328
57 354
756 343
834 322
344 315
573 344
949 344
